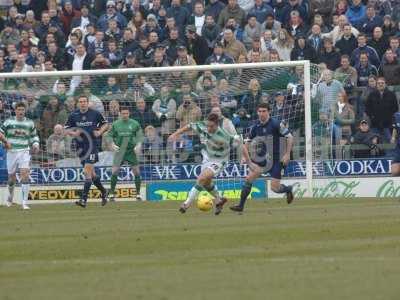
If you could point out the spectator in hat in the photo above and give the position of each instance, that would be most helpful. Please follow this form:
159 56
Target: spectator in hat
232 47
293 5
296 26
210 31
84 19
380 106
129 61
111 13
251 31
232 10
214 8
179 13
151 25
365 137
197 45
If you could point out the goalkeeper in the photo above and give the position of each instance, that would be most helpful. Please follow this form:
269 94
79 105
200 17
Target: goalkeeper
127 136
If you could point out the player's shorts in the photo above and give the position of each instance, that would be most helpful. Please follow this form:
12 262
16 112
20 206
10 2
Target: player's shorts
274 171
91 158
215 165
121 157
396 156
18 159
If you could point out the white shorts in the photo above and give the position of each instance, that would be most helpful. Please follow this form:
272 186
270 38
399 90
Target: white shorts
18 160
215 165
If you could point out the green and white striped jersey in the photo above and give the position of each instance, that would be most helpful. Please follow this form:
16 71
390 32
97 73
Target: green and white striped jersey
20 134
218 144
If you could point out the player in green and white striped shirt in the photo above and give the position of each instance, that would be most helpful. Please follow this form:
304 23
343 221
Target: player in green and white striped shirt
217 143
18 135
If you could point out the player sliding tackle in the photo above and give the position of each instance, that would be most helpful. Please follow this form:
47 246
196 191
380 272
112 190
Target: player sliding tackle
127 136
258 159
216 149
18 134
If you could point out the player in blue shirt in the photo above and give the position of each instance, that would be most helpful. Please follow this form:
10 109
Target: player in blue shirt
265 136
87 126
396 140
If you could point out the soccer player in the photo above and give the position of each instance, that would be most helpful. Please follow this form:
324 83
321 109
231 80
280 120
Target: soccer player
216 144
87 126
396 140
256 154
127 136
19 134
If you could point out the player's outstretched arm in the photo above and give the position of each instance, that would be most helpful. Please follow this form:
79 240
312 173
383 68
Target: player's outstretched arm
173 137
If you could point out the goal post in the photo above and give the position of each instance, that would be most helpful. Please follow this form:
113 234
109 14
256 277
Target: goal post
274 78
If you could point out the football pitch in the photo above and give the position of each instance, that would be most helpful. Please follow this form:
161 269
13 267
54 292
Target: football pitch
312 249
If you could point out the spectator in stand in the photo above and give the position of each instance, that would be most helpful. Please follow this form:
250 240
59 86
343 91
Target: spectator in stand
252 30
338 31
303 51
329 55
144 116
344 118
164 108
293 5
53 114
113 32
242 121
219 56
80 61
323 8
328 90
252 98
198 18
210 31
179 13
58 144
356 13
394 44
9 35
113 54
214 8
68 13
152 146
97 45
197 45
346 69
281 108
232 47
271 24
111 13
261 10
370 21
390 68
379 42
389 27
112 114
296 26
365 69
226 98
315 39
348 42
232 10
144 52
365 137
85 18
283 44
188 112
380 106
363 47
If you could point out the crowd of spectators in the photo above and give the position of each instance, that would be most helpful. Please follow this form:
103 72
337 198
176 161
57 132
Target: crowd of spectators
354 42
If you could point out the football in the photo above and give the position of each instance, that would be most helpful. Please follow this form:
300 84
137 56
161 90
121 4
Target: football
204 203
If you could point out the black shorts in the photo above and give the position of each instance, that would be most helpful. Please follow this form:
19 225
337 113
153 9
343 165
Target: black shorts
274 171
91 158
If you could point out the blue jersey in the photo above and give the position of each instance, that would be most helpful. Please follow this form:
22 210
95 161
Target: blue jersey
268 136
88 122
396 125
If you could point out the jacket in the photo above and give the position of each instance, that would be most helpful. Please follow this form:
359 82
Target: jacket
355 14
347 46
236 12
380 108
344 119
234 49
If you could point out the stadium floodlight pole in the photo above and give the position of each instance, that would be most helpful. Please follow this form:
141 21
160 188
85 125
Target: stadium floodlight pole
132 71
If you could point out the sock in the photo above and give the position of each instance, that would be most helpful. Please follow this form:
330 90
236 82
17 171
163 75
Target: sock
86 188
246 189
114 179
283 189
212 189
97 183
194 192
25 192
138 182
11 186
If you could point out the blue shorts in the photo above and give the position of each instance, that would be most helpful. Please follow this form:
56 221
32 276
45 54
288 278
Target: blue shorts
91 158
274 171
396 156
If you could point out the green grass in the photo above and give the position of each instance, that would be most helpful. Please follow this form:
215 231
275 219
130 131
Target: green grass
320 249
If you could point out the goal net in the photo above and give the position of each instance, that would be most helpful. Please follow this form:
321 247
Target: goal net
163 100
